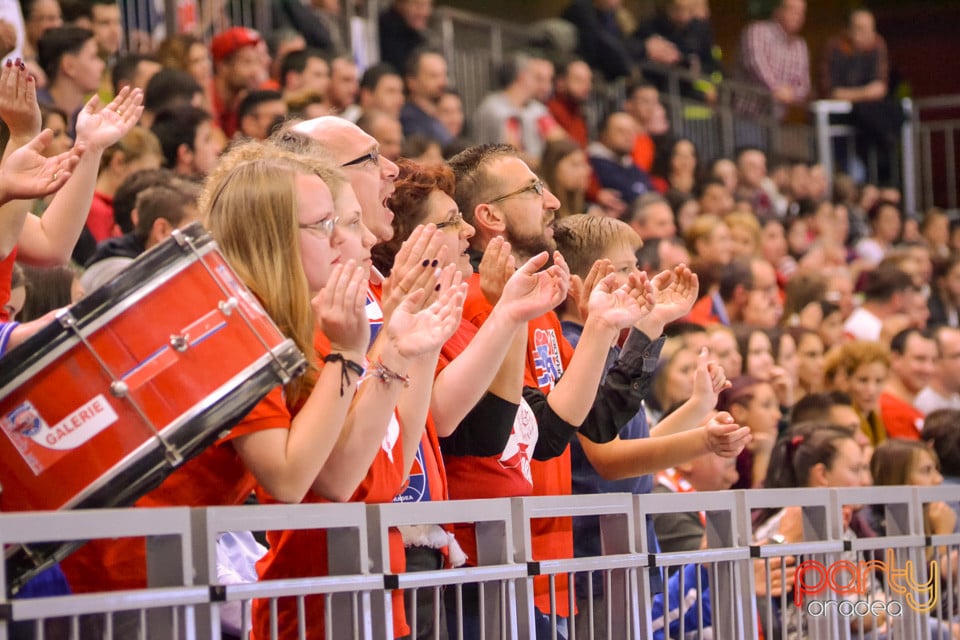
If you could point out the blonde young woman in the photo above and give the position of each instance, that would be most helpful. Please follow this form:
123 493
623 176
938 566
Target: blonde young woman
287 237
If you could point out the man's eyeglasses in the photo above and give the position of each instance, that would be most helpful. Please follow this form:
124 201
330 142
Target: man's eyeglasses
324 227
536 186
372 157
453 222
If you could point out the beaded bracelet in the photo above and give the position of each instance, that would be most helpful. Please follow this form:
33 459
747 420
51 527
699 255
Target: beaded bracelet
385 374
345 365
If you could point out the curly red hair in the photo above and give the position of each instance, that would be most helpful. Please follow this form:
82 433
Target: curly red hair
414 185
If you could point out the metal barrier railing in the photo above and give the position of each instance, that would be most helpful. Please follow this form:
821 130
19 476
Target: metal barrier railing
722 589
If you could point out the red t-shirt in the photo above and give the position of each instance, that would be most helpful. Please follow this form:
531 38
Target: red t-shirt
100 220
215 477
902 419
303 553
6 279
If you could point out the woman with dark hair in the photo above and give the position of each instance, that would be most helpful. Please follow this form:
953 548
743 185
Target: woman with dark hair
675 168
886 224
565 169
944 300
47 289
753 402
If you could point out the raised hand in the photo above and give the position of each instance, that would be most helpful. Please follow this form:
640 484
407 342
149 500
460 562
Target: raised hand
580 290
340 309
100 128
496 268
18 101
530 293
612 306
416 266
725 437
414 331
708 381
674 293
26 173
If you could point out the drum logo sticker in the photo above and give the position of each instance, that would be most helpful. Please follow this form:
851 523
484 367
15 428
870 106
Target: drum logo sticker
33 437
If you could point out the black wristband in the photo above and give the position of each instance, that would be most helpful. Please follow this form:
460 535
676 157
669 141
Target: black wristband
345 364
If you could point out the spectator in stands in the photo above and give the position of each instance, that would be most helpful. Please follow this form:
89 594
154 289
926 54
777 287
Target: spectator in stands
386 130
753 402
775 56
886 225
47 289
676 37
513 115
238 68
722 343
566 172
450 114
381 89
913 355
136 151
935 229
856 68
421 149
187 53
658 254
752 182
601 42
885 296
725 170
167 89
133 70
747 294
673 381
714 198
315 22
940 431
686 531
943 390
625 463
643 104
275 47
38 16
56 120
304 71
613 166
945 292
18 294
744 234
259 113
68 57
159 210
860 368
344 83
522 216
426 81
675 167
403 27
810 362
190 145
708 239
652 217
574 84
105 24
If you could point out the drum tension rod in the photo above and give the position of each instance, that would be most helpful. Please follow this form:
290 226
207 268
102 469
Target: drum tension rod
119 388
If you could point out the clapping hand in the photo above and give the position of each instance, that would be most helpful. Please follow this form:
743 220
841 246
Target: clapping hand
674 293
708 381
18 102
725 437
340 308
619 308
496 268
26 173
415 331
415 267
530 293
101 128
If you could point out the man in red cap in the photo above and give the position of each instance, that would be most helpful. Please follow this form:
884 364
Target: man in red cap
238 67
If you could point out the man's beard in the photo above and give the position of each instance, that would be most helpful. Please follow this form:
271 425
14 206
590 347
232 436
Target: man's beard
529 245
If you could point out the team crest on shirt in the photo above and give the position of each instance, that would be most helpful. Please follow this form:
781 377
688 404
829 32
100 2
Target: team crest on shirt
546 358
523 439
391 437
417 488
374 316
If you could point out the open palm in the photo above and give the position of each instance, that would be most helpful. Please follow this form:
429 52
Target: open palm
27 173
674 293
415 332
530 293
100 128
615 307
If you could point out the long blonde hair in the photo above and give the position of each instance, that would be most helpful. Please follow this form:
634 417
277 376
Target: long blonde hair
252 213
